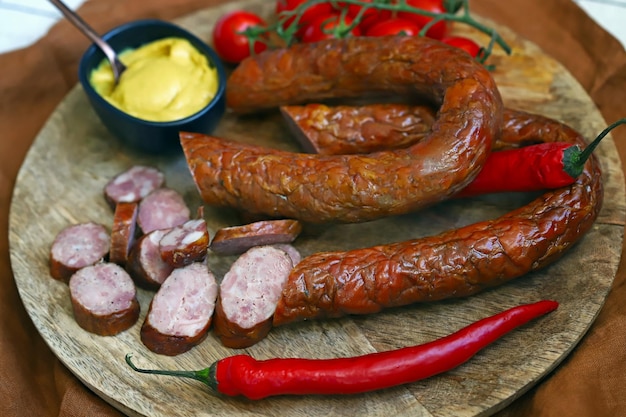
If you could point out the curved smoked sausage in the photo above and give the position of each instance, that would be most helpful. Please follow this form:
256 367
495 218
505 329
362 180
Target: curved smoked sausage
455 263
352 188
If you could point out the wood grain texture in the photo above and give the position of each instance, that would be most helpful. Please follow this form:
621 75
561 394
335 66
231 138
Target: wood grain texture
73 157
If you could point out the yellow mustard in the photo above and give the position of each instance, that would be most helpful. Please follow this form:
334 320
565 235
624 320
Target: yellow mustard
165 80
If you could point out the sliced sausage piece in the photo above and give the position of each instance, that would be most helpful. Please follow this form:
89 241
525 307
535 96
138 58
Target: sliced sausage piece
123 232
76 247
163 208
238 239
248 296
133 184
291 250
104 299
185 244
180 313
145 264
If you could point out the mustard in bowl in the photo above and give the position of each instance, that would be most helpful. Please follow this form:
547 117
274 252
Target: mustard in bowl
173 82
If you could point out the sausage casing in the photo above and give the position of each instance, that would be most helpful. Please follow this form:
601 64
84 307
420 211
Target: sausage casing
352 188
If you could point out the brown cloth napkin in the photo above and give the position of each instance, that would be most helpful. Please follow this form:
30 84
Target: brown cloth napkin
590 382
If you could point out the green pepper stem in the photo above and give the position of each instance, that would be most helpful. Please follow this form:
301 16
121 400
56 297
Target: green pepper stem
574 159
206 375
589 149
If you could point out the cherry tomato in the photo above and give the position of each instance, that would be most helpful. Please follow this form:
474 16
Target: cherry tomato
309 14
440 29
229 43
466 44
394 26
319 28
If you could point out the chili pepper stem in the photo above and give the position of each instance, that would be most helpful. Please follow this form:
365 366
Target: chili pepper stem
574 158
206 375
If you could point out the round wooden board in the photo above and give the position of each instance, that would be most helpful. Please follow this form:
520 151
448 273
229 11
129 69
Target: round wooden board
61 184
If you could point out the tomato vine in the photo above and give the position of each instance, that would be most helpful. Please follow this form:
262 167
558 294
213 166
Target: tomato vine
283 31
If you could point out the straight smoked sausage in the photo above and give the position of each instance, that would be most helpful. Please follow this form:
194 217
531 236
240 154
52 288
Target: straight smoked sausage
335 130
455 263
319 129
352 188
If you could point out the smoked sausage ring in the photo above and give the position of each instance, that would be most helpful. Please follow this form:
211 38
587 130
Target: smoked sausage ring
352 188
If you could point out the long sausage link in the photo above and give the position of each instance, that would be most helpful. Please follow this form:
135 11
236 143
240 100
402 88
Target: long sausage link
455 263
352 188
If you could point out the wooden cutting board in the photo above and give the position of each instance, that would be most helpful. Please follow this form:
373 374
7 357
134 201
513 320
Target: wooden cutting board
72 158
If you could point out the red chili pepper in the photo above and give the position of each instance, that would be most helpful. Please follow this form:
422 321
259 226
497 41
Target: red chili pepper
255 379
533 168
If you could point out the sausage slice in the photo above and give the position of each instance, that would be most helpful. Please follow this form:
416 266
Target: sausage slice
123 232
104 299
133 184
163 208
291 250
145 264
181 311
248 296
76 247
238 239
185 244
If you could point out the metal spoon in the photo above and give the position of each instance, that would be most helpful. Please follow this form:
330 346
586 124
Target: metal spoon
117 65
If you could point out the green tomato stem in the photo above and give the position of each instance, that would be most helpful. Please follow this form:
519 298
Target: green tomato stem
287 33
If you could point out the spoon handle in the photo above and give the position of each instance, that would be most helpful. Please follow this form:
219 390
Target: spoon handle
77 21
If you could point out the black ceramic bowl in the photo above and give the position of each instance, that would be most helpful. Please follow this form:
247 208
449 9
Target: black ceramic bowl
147 136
